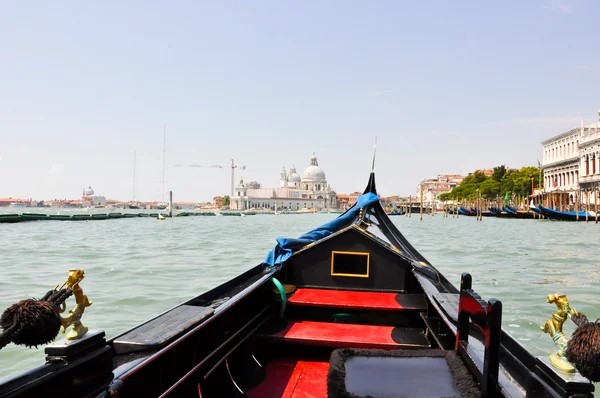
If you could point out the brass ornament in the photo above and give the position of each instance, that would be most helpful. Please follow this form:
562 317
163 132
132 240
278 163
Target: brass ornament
554 328
81 302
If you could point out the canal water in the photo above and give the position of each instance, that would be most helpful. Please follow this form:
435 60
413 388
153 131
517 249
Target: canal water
138 267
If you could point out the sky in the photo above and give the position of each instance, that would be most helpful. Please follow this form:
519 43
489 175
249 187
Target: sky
446 87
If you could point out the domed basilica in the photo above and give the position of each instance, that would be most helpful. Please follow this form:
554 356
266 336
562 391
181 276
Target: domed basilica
310 192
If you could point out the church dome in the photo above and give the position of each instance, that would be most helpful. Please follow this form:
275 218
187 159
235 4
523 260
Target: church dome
89 191
313 173
293 176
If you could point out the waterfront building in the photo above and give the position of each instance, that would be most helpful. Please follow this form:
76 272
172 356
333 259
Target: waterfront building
89 198
343 200
434 187
15 202
218 201
311 192
353 197
589 155
561 162
571 160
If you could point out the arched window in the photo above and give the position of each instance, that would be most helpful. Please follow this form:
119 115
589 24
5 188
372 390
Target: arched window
587 165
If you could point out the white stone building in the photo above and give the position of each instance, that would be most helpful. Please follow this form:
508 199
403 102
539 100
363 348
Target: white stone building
571 160
589 152
311 192
88 198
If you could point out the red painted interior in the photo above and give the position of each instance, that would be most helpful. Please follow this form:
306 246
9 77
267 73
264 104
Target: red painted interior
291 378
313 381
338 334
345 299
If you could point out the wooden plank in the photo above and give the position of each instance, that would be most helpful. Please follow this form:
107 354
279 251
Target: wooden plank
449 303
358 299
162 330
350 335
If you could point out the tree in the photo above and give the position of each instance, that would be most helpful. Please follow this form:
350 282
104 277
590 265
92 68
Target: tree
476 178
503 180
499 172
490 188
226 201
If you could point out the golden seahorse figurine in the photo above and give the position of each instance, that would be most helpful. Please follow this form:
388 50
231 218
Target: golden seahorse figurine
554 328
81 301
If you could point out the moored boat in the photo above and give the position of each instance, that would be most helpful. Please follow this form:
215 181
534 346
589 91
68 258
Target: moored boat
348 309
566 215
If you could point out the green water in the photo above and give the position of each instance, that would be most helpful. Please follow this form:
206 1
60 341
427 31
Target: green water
136 268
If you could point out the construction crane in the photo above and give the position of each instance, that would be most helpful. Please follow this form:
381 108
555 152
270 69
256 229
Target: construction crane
220 166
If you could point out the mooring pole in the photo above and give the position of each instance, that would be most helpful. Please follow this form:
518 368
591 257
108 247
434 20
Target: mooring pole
170 203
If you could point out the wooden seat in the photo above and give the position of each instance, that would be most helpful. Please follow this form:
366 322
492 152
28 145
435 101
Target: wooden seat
358 300
349 335
487 317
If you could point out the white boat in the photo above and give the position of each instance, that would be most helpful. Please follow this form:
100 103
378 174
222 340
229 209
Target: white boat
18 204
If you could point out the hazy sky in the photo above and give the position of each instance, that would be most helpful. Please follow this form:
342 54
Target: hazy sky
447 87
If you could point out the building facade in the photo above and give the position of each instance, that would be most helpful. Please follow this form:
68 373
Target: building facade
571 160
434 187
89 198
589 155
310 192
561 162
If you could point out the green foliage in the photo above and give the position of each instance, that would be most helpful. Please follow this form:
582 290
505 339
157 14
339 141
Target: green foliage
226 201
476 178
499 172
503 180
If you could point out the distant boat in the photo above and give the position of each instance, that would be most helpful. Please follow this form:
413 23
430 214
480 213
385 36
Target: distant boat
18 204
305 210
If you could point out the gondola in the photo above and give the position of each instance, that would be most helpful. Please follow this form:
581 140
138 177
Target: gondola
508 212
565 215
466 212
396 212
350 309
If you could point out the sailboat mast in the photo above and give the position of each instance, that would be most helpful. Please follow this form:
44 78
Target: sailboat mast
163 166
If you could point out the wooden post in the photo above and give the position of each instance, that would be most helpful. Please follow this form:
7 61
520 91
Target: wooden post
587 204
577 201
560 202
596 205
456 206
480 207
170 203
421 208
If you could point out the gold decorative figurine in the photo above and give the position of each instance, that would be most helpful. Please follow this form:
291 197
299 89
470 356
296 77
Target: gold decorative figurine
554 328
81 301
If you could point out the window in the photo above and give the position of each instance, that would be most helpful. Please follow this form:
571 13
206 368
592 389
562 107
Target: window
350 264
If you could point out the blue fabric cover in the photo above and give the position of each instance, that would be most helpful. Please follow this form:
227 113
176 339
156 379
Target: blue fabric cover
287 246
